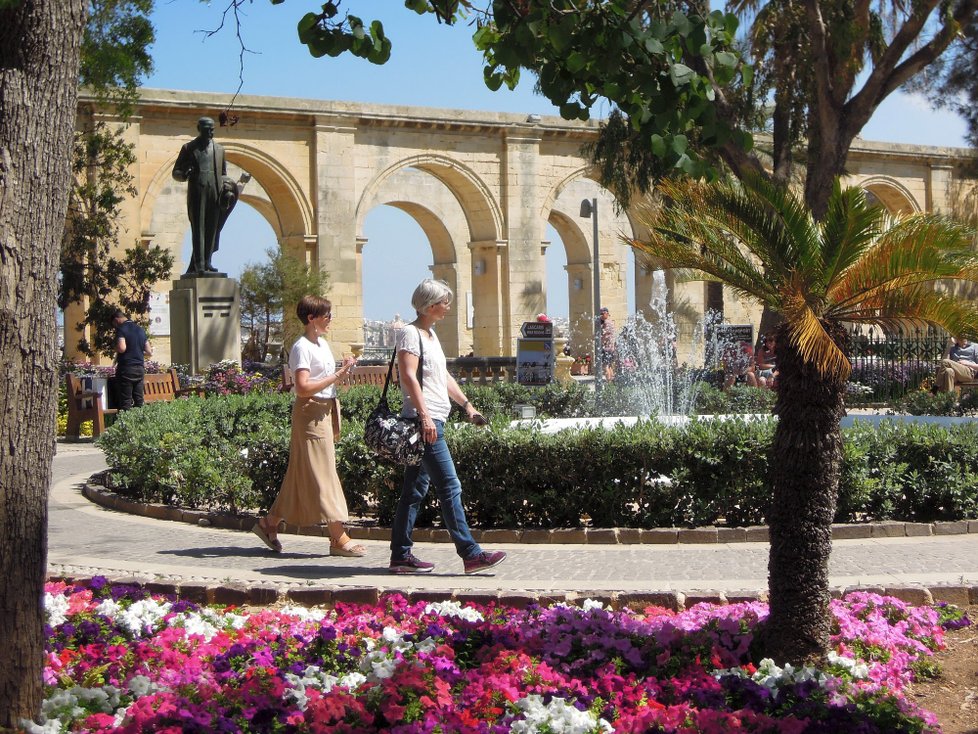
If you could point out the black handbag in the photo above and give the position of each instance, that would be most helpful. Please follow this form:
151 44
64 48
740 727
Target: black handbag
388 435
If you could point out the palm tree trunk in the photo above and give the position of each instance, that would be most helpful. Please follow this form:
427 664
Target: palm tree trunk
806 461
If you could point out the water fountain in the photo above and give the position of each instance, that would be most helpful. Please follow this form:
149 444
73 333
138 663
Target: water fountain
656 377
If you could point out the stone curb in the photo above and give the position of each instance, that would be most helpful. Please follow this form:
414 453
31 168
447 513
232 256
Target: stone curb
223 592
585 536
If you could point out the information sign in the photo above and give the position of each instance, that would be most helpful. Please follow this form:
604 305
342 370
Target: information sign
534 361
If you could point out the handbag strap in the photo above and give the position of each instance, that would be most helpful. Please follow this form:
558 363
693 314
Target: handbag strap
390 367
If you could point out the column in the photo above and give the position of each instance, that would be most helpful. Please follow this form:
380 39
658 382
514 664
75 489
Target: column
487 297
338 250
525 272
939 192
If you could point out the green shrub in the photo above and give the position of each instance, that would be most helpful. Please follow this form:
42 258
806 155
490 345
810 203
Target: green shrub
230 453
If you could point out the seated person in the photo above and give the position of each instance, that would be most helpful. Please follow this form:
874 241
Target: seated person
960 365
738 366
767 361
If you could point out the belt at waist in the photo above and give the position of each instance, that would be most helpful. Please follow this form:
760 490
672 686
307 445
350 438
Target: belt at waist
317 399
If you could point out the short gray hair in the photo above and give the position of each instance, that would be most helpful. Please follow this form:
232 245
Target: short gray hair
429 292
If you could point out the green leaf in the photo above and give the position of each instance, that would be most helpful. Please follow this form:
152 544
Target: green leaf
727 58
747 74
307 23
570 110
681 75
658 145
576 62
493 79
654 46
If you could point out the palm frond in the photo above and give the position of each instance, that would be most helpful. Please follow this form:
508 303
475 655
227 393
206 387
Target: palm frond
918 306
807 334
850 227
911 252
858 264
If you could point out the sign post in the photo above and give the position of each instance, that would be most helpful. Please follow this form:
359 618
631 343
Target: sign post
535 353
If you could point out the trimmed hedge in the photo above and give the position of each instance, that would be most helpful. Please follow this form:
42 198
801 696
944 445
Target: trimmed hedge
229 454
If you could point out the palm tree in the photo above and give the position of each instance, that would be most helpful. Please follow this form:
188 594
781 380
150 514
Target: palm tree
855 265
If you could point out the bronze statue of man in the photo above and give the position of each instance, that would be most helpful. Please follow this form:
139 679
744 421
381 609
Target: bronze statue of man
211 194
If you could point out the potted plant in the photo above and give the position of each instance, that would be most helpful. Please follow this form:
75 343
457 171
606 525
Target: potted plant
582 365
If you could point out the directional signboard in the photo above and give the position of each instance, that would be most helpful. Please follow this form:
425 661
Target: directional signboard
537 330
535 353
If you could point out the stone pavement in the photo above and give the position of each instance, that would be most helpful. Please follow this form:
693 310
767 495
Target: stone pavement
232 566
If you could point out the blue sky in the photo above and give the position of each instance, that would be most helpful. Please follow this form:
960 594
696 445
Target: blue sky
431 65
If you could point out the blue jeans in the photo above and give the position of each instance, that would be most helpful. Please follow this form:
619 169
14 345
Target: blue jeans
436 466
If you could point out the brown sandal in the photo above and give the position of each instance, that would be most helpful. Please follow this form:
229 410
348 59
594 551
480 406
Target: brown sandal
349 549
267 538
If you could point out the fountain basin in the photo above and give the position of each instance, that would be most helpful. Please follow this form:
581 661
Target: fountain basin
555 425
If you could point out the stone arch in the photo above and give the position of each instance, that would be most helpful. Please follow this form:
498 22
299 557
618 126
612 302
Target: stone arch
462 216
577 235
482 212
892 194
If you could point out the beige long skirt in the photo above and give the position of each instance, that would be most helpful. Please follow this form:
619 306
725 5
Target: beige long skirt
311 493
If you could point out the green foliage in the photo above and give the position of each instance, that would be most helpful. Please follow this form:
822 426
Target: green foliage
327 35
230 454
115 56
115 50
912 472
269 293
924 402
196 452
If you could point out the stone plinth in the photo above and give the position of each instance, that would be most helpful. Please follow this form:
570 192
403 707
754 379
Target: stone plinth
205 321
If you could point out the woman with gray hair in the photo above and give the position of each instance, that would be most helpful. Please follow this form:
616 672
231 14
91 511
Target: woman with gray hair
430 399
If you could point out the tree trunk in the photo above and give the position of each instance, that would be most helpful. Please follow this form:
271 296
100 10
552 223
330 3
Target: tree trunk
806 459
39 51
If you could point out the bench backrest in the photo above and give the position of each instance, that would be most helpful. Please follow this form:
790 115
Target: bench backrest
368 375
161 387
361 375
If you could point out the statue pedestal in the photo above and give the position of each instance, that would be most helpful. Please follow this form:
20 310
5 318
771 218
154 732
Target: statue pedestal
205 321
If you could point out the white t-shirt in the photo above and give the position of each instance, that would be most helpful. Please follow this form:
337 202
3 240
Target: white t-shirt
318 359
434 374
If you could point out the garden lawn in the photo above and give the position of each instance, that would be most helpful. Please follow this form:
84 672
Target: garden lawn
119 660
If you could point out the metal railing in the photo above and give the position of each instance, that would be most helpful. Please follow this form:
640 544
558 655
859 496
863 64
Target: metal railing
885 367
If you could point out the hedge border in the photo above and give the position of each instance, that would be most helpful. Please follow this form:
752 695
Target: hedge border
533 536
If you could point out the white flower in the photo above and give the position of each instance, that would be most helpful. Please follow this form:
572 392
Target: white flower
141 685
558 717
772 677
141 615
454 609
57 608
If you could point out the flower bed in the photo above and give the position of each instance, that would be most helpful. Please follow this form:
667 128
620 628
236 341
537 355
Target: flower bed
120 660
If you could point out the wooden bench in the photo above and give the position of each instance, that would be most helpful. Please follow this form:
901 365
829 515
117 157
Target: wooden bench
86 405
360 375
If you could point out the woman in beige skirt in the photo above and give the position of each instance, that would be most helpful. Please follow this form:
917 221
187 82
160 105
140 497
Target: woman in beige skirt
311 493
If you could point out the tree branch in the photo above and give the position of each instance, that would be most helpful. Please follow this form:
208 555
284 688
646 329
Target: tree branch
890 74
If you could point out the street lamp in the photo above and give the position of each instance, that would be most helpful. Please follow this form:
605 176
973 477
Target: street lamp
589 210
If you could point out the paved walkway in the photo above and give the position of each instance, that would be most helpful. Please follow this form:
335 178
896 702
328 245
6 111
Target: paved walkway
86 539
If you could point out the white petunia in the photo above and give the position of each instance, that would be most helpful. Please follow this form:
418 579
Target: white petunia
56 607
557 716
454 609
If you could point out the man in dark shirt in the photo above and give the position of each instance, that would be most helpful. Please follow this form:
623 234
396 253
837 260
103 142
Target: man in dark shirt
132 347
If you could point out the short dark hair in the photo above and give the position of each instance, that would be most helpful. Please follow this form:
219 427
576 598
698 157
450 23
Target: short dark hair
312 307
120 314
